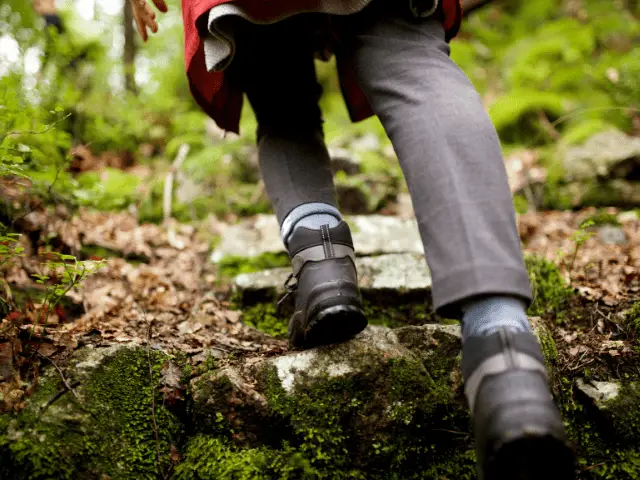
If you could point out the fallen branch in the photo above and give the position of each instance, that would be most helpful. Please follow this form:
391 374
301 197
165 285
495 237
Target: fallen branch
183 151
58 395
68 386
153 389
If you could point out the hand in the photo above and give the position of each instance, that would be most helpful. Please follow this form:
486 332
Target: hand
145 17
44 7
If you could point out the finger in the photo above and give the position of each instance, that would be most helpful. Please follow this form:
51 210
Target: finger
142 29
161 5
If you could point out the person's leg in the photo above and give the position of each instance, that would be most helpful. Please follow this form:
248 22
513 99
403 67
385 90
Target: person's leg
451 157
275 66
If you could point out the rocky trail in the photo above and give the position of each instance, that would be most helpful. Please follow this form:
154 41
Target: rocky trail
170 360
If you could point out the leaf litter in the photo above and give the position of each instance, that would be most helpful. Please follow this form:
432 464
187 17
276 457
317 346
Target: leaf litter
171 302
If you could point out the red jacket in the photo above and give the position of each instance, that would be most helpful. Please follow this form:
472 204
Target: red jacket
222 100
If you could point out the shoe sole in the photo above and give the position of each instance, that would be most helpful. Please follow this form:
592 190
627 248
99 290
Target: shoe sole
532 456
335 324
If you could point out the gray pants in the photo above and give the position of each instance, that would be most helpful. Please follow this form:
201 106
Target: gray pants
446 144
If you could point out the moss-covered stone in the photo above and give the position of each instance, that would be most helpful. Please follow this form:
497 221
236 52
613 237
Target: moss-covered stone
606 444
232 265
265 317
212 458
322 412
399 312
108 431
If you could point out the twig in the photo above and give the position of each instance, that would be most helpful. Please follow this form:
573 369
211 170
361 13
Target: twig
64 380
153 392
183 151
58 395
33 132
548 126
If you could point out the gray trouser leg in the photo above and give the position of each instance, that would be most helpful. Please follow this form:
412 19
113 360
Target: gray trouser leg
449 152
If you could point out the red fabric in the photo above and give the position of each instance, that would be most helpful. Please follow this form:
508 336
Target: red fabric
222 102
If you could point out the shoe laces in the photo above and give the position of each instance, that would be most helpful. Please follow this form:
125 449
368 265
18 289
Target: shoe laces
290 288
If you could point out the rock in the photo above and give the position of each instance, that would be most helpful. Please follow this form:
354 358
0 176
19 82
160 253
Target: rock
364 404
372 234
367 142
107 430
615 405
344 160
629 216
402 271
387 404
600 392
595 193
365 194
612 235
609 154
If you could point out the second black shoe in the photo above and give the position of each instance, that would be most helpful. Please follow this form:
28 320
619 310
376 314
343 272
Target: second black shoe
328 305
519 433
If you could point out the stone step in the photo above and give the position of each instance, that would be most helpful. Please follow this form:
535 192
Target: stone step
372 235
405 272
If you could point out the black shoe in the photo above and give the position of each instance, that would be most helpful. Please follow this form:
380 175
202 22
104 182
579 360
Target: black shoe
328 305
519 433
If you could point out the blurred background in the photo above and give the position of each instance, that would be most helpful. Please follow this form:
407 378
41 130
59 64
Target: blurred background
560 79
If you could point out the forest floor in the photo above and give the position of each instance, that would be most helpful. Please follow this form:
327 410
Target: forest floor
157 286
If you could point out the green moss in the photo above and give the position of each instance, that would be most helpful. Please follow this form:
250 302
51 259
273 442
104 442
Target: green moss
109 431
603 454
345 433
633 319
263 317
550 291
232 265
397 315
603 218
520 204
212 458
625 410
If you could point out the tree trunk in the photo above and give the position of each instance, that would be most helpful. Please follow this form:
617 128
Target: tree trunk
129 55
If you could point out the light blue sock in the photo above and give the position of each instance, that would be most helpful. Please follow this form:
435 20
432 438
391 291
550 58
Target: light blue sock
487 315
309 215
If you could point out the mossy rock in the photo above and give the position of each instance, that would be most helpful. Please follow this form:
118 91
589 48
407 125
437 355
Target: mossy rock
320 403
616 407
603 422
363 194
109 430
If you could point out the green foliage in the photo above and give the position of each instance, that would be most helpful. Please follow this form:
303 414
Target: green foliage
9 249
577 68
110 189
64 272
